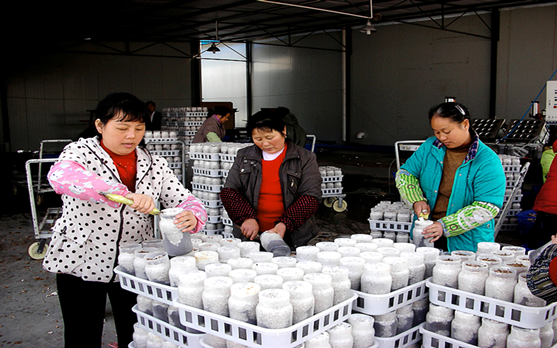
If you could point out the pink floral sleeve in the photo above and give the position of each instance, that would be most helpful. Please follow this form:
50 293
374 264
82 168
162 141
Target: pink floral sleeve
70 178
196 207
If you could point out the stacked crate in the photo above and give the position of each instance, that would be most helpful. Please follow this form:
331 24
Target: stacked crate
211 163
512 168
392 220
168 145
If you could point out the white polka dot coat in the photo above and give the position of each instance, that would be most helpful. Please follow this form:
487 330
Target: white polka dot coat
86 237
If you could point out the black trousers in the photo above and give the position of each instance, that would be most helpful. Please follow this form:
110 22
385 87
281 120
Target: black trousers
83 306
544 227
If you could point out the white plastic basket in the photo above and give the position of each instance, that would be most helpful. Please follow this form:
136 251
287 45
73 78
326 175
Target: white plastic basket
214 173
433 340
213 232
211 203
224 173
227 221
206 188
337 178
166 331
159 140
382 304
516 199
214 219
159 292
174 165
486 307
404 339
165 153
511 168
204 156
396 226
225 157
331 191
254 336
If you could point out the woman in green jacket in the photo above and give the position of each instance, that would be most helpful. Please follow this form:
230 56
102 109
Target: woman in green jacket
455 180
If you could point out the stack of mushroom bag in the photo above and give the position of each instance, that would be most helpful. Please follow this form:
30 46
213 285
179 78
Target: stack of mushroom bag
496 272
236 279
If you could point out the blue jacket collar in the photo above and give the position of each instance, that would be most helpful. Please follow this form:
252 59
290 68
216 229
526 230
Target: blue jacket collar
472 152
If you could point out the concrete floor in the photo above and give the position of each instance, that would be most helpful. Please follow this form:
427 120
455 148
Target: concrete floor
30 315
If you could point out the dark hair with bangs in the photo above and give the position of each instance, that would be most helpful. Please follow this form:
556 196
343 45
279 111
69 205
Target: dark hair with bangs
265 120
122 107
456 112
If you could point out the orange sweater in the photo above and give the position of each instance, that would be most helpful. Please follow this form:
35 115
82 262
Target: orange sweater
270 206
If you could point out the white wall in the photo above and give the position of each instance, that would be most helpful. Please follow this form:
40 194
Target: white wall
48 98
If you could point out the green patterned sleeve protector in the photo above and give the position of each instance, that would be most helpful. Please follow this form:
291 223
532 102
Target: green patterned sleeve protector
409 187
468 218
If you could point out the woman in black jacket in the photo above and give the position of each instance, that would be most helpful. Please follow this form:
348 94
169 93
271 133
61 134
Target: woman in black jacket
273 185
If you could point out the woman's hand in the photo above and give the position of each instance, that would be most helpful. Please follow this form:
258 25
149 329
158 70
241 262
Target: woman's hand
186 221
279 229
554 239
250 228
433 231
421 208
142 203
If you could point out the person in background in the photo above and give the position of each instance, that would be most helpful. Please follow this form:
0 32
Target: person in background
547 158
213 128
542 274
545 206
456 180
294 131
273 185
85 243
153 120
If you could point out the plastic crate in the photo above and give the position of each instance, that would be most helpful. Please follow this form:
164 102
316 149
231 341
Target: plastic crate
486 307
160 292
204 156
227 221
395 226
224 173
516 199
211 203
512 168
214 173
206 188
331 191
160 140
213 232
175 165
225 157
382 304
255 336
165 153
404 339
214 219
166 331
433 340
337 178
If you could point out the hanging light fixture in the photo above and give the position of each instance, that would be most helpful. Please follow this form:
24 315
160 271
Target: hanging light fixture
368 28
213 48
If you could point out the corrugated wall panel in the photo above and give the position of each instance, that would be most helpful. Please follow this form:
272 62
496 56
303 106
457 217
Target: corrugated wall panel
49 98
401 71
307 81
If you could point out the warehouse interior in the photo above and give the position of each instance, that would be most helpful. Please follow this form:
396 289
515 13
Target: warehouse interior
358 77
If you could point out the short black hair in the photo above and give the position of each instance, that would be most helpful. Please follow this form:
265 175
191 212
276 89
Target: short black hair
266 120
220 110
125 106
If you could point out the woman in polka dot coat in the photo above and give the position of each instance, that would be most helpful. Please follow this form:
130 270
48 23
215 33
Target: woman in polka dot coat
84 246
